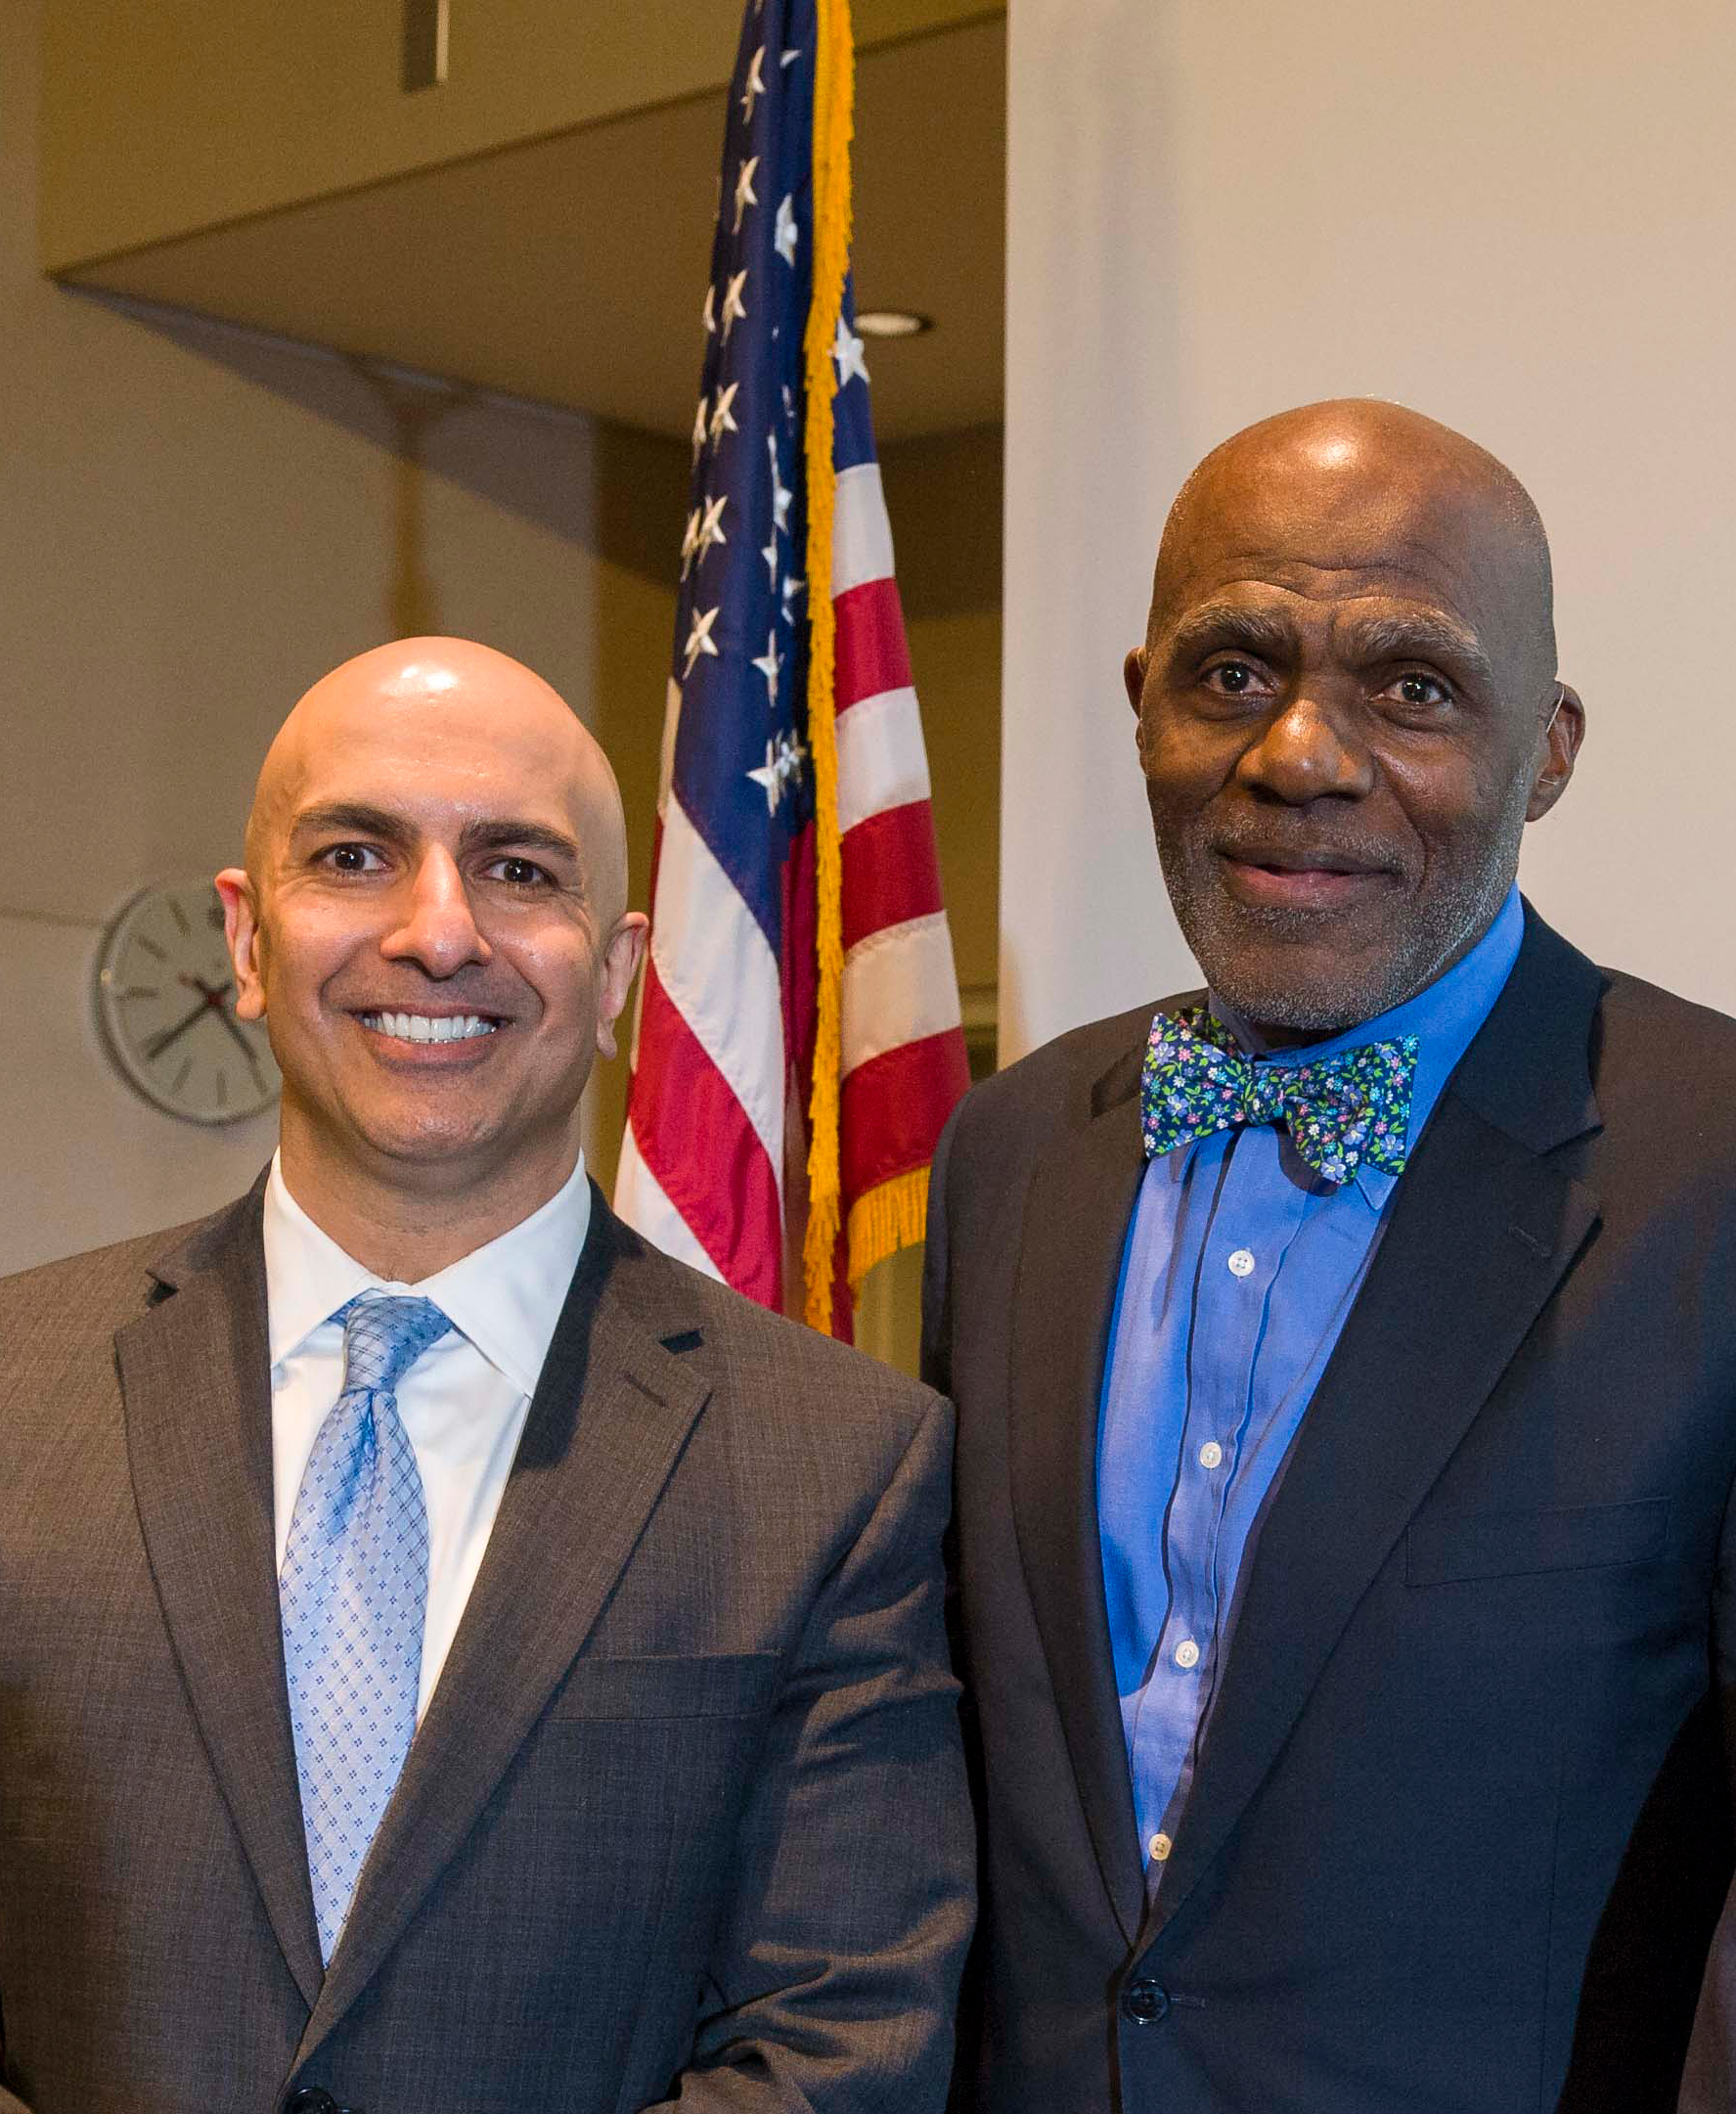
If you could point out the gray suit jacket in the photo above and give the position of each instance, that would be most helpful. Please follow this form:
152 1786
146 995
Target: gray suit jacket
686 1815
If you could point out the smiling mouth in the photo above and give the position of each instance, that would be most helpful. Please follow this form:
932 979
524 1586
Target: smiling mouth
425 1027
1321 881
1340 864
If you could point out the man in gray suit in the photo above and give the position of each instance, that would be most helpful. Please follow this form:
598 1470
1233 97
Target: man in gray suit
449 1653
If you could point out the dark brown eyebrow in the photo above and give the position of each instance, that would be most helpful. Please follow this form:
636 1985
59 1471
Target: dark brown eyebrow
494 834
1418 636
1221 626
507 834
354 816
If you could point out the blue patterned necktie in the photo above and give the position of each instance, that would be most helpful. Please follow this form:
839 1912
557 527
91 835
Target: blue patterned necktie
352 1593
1344 1111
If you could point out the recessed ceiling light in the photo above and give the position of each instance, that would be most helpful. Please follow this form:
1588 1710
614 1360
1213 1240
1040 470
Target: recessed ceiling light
892 323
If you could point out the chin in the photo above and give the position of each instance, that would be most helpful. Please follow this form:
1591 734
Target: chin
1315 989
1309 1007
421 1140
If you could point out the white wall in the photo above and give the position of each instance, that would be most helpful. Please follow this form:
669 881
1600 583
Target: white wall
1516 217
191 531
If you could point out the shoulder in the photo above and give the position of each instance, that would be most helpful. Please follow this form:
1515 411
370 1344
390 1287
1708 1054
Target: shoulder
1663 1065
83 1296
1639 1015
765 1368
1057 1085
764 1348
57 1326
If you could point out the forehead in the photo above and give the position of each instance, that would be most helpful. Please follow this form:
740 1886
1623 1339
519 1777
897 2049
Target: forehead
1291 534
438 762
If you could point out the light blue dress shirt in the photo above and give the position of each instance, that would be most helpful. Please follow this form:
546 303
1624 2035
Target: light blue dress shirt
1239 1269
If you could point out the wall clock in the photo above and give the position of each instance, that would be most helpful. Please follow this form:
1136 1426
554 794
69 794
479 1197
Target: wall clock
166 1004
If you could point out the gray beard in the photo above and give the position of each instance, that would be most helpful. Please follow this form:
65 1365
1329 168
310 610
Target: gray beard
1442 926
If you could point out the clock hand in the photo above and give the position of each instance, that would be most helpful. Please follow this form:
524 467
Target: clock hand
214 994
157 1044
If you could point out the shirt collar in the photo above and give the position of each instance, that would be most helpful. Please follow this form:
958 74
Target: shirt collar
505 1296
1444 1016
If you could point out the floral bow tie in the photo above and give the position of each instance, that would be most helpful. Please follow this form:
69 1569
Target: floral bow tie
1344 1111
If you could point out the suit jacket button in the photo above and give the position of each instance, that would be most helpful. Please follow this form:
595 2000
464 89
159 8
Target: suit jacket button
310 2099
1145 2002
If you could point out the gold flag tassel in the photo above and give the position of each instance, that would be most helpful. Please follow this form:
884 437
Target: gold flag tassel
834 83
892 1215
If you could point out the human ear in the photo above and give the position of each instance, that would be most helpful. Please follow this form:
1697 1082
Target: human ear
1561 746
620 965
240 933
1133 674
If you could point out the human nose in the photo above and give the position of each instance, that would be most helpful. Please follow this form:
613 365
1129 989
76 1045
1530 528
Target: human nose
1308 752
439 930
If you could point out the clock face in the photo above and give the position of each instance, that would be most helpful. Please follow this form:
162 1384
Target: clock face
165 1003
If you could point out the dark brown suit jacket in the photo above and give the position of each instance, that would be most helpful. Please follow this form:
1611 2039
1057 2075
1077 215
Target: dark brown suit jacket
1462 1823
686 1814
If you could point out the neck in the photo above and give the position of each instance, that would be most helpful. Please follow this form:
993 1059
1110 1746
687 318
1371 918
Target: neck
404 1231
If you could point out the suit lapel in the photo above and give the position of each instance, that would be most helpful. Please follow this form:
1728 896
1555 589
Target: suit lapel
1482 1232
1076 1219
194 1382
611 1412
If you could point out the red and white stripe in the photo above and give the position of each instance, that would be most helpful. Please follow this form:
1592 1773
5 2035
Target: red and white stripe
702 1174
903 1057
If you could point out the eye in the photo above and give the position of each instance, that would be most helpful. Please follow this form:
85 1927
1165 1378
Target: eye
352 859
1230 678
1422 692
518 873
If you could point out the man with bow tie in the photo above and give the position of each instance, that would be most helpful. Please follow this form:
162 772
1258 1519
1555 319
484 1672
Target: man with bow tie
1345 1360
452 1656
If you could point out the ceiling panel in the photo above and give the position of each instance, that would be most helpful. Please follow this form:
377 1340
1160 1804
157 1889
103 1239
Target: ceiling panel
571 269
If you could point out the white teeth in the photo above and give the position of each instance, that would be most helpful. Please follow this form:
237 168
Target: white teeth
428 1027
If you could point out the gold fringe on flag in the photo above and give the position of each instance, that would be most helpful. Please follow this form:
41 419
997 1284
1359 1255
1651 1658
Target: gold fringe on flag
889 1217
834 83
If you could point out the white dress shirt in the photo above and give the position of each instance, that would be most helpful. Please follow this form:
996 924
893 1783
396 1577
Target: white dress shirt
464 1402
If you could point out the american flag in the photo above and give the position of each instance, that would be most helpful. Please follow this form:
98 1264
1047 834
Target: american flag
798 1045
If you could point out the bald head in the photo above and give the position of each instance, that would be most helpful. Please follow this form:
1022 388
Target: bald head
433 925
1354 464
471 710
1348 708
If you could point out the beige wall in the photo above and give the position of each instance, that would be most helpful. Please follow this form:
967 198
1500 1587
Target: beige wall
191 529
1508 216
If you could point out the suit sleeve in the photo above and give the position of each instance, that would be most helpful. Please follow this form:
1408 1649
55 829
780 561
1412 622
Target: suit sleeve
831 1986
10 2102
1709 2082
937 1313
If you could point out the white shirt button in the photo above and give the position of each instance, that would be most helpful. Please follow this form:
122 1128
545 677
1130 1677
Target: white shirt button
1186 1654
1211 1455
1160 1847
1242 1263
